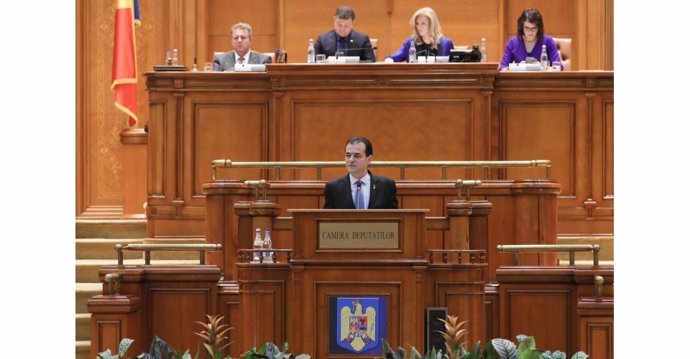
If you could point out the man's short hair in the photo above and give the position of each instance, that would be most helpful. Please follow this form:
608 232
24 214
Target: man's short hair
368 148
345 13
242 26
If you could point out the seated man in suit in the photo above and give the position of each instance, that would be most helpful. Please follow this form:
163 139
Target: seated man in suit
344 39
241 34
359 188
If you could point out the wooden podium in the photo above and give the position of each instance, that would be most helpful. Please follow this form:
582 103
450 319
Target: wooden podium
349 253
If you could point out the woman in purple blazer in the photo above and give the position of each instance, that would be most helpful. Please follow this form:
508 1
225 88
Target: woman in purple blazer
426 38
529 40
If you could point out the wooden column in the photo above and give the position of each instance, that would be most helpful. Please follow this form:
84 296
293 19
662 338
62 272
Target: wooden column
479 232
459 222
113 318
134 162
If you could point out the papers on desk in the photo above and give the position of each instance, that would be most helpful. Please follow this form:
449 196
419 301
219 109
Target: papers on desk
343 60
523 66
431 59
250 67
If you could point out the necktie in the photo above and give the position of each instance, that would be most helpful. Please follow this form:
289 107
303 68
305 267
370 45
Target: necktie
241 60
359 196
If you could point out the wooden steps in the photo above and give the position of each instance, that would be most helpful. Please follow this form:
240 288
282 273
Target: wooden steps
95 247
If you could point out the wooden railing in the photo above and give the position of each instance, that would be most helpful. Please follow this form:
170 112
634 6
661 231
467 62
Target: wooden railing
570 248
148 248
402 165
456 256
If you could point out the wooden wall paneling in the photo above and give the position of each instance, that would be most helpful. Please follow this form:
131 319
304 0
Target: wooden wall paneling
593 205
114 318
603 157
436 206
302 322
100 165
188 34
501 227
443 122
188 304
263 300
466 301
229 307
99 123
548 226
217 208
221 128
149 294
492 324
608 45
219 22
201 46
262 15
134 168
596 337
435 120
543 311
596 25
190 292
526 230
156 149
573 130
109 332
544 130
82 47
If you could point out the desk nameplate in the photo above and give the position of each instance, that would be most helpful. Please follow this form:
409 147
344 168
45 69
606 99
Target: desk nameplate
370 235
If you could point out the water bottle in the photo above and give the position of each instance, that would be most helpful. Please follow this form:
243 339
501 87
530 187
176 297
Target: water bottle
412 54
544 58
258 244
277 56
483 49
175 57
268 244
311 52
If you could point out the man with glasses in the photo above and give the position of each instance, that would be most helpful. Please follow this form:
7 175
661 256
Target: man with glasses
359 189
241 36
529 40
344 39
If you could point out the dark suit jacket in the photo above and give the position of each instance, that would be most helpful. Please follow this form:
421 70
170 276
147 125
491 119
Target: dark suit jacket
338 193
226 61
327 44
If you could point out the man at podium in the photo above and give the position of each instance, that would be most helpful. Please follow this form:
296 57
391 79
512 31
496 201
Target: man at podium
359 189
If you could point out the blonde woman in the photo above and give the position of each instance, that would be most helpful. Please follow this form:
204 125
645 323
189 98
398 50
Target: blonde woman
427 37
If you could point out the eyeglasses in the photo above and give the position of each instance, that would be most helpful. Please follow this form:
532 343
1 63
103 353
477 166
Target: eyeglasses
239 38
529 29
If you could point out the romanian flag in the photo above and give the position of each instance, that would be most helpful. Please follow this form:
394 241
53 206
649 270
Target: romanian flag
125 59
